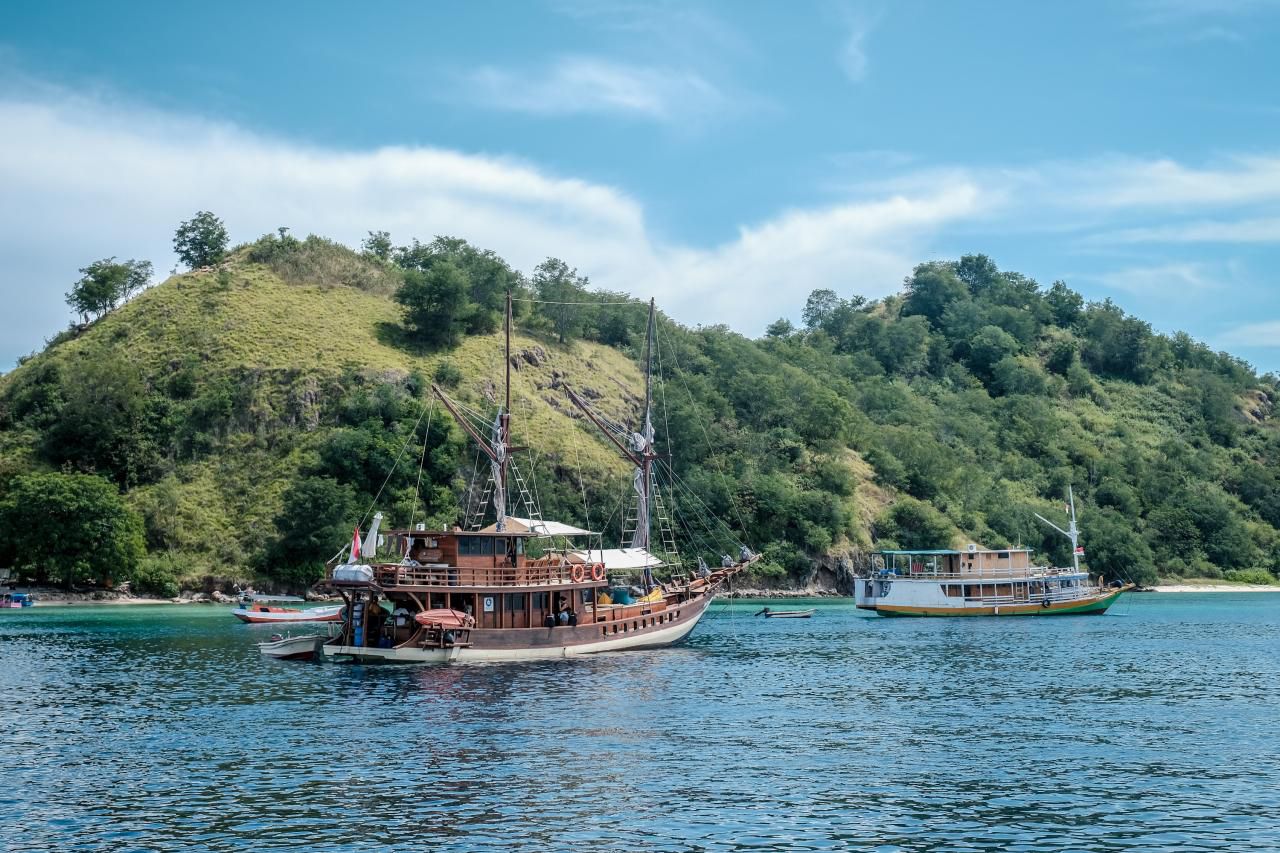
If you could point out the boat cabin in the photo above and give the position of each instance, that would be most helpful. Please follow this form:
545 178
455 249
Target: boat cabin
973 561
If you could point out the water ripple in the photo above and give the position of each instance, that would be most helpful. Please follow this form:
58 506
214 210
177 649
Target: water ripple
161 729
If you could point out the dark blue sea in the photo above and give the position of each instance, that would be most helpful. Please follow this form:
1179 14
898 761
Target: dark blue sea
1155 727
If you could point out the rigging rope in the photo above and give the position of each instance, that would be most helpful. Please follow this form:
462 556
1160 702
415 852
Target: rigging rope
707 437
422 460
394 465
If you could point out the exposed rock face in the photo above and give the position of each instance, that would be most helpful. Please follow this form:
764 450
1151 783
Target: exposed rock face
532 356
833 574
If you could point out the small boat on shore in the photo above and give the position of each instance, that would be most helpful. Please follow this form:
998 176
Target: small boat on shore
17 599
305 647
259 609
786 614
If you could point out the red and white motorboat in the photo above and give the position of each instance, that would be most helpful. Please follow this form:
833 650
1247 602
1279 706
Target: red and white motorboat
260 610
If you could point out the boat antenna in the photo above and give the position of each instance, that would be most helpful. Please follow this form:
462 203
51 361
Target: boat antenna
1072 532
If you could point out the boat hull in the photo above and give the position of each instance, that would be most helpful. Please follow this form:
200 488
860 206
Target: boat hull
1078 607
314 614
517 644
292 648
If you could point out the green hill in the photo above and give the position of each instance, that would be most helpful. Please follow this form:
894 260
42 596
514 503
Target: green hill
249 413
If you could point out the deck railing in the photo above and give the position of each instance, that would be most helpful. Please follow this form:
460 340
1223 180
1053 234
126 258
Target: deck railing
439 575
1033 573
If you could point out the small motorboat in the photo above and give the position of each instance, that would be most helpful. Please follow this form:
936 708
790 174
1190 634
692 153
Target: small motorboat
305 647
259 609
786 614
17 599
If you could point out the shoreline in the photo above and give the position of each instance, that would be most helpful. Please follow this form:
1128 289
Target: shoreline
1209 587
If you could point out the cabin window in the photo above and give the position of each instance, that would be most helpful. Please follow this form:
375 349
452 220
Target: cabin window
475 546
541 600
970 591
1003 555
953 590
519 546
513 602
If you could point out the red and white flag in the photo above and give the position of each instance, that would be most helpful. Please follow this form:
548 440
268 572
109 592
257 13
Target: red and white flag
355 544
1080 550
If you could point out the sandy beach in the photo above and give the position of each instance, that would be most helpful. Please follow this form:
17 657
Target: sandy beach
1213 587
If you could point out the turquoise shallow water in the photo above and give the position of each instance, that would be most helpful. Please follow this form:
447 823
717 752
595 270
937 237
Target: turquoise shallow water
161 728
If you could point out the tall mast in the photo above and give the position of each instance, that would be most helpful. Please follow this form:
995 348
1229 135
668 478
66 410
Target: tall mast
504 432
1072 532
644 522
498 445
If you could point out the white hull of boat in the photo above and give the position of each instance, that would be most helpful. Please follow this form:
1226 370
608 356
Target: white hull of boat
331 613
293 648
463 654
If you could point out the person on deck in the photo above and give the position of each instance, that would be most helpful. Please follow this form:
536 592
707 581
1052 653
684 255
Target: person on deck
374 617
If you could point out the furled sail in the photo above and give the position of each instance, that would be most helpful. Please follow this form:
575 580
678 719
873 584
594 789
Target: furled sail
640 443
496 467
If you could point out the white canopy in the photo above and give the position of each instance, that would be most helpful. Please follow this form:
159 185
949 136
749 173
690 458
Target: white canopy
539 528
618 559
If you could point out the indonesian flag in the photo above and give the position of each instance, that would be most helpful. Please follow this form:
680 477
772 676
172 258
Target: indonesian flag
1080 550
355 544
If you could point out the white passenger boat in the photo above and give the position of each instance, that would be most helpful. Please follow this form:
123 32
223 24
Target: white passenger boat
983 582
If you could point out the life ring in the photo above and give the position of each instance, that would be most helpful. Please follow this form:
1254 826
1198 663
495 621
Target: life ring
597 571
578 573
1045 603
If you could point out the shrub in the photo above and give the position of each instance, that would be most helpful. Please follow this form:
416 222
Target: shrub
1258 576
157 576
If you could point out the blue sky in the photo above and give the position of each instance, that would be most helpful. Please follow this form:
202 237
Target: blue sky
727 158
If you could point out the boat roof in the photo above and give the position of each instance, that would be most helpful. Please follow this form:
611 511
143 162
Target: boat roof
488 531
619 559
538 527
944 552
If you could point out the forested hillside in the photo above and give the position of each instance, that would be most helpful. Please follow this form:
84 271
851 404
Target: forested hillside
240 418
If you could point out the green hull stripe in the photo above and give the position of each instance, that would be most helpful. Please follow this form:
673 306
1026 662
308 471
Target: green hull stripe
1097 606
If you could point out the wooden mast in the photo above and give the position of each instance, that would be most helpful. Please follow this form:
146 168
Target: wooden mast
500 454
504 430
646 453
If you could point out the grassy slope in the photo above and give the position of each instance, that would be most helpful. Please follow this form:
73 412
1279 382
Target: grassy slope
251 323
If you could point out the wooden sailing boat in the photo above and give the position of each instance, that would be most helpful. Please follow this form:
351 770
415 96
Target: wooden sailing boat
478 594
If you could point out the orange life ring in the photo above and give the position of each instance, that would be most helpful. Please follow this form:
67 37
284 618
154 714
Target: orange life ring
578 573
597 571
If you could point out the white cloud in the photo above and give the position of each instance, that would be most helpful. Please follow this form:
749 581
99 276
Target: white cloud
853 53
1265 334
1266 230
583 84
1166 183
85 178
1164 280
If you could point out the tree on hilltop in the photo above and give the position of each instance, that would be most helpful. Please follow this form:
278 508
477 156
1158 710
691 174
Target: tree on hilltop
559 287
435 304
106 284
201 241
